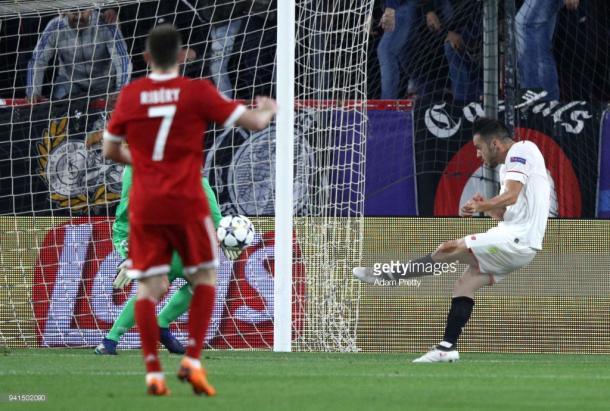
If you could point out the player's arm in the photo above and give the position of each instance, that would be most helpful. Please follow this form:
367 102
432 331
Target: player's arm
120 231
496 213
507 198
232 254
114 134
42 54
260 117
215 108
467 210
116 150
117 48
518 168
212 202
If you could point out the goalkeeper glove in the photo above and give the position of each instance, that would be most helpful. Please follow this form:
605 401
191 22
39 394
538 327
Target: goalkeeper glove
232 253
121 280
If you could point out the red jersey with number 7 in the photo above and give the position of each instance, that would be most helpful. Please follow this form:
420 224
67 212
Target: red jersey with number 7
163 118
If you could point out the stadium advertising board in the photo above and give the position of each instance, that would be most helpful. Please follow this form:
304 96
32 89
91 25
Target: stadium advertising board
65 268
74 302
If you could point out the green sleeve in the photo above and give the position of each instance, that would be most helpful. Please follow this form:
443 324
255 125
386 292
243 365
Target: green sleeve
214 207
120 227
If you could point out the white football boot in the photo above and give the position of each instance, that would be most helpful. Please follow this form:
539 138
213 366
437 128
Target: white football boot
365 274
436 355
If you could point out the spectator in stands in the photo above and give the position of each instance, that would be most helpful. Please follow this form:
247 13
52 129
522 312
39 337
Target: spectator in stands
227 20
463 45
535 26
92 57
255 65
398 23
203 23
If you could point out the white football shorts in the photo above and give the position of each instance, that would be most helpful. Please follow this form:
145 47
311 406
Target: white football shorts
498 254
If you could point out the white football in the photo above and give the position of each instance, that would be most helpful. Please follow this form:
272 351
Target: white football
235 231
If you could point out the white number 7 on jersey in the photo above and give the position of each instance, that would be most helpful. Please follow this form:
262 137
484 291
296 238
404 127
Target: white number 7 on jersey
167 112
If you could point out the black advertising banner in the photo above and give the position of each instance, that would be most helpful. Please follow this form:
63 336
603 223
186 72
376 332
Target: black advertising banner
448 172
51 160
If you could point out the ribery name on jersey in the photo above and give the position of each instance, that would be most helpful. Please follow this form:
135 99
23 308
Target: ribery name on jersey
163 95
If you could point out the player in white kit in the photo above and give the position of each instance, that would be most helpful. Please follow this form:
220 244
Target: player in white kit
522 208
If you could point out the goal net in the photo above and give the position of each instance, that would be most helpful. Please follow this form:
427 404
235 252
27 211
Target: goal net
62 64
546 67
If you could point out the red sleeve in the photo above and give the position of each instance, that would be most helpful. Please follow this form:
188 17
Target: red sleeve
117 127
216 108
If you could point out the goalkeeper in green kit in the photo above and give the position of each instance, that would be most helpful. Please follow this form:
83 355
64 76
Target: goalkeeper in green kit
179 302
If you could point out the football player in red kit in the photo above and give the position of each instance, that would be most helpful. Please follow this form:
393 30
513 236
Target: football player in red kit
163 118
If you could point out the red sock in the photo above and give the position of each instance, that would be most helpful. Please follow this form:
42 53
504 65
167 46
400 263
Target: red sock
200 313
146 320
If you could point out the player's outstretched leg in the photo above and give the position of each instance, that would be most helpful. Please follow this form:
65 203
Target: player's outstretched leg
150 290
121 325
447 252
462 305
202 305
175 307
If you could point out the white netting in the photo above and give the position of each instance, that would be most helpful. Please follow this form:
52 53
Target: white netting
58 195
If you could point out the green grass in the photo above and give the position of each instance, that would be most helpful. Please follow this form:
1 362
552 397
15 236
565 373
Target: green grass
78 380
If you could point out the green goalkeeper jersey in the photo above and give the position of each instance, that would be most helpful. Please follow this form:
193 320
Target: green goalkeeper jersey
120 227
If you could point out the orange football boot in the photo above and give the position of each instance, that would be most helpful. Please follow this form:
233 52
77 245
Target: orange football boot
197 377
156 386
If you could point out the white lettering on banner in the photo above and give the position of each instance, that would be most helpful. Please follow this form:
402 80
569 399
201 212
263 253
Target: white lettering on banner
70 273
61 308
545 108
578 116
101 301
440 123
473 111
261 280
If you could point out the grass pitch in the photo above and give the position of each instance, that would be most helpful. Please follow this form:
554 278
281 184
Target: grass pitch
75 379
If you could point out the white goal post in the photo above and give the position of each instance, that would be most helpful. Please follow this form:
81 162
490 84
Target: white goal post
284 184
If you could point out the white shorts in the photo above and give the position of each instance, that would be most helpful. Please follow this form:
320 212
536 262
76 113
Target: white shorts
498 254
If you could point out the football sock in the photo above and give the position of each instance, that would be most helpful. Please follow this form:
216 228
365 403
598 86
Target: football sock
175 307
200 314
459 314
445 346
149 333
195 363
151 376
124 321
